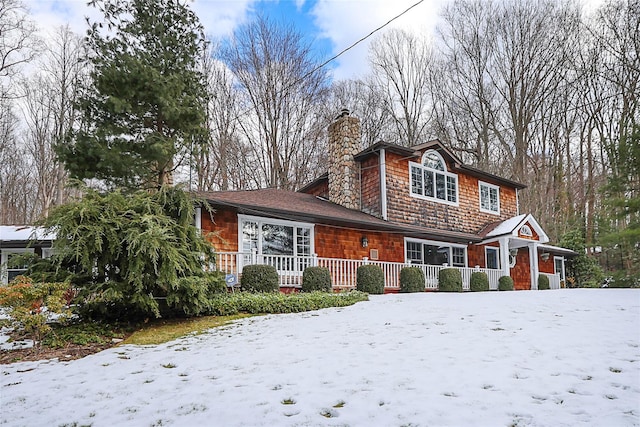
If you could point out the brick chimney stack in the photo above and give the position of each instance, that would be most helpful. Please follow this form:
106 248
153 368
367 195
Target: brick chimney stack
344 177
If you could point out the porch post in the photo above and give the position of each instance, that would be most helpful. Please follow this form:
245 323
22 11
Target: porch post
504 256
533 265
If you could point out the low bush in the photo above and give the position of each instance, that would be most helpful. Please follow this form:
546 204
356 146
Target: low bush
543 282
190 295
505 283
450 280
370 279
259 278
253 303
411 279
316 279
479 281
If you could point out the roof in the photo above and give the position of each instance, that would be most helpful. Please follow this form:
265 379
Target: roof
297 206
511 226
436 144
557 250
11 235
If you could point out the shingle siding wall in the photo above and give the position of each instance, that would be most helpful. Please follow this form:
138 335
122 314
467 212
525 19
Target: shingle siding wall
466 217
370 186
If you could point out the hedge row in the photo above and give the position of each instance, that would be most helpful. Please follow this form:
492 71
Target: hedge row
271 303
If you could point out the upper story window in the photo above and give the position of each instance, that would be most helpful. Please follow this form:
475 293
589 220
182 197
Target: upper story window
489 198
432 181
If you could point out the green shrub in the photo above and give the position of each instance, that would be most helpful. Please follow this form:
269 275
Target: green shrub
543 282
450 280
370 279
191 295
127 251
272 303
505 283
479 281
316 279
411 279
259 278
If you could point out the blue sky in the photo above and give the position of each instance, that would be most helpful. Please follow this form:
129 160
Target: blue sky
331 25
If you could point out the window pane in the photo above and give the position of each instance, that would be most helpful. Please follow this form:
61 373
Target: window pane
440 187
249 236
558 267
458 258
432 161
492 258
303 241
414 252
428 183
277 239
416 180
493 199
436 255
451 189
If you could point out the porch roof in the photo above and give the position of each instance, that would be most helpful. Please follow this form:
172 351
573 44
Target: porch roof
297 206
21 235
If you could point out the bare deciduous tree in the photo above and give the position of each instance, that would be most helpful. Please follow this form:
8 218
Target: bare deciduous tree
281 89
401 63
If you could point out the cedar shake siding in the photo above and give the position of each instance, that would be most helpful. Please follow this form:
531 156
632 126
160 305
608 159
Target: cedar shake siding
370 192
466 217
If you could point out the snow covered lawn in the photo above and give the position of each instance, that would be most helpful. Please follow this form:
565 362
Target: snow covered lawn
545 358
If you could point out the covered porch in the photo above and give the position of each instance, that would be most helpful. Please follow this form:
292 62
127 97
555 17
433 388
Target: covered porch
343 271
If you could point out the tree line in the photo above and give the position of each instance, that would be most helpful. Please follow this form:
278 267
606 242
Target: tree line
538 91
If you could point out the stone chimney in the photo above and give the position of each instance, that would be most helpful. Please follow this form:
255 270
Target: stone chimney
344 176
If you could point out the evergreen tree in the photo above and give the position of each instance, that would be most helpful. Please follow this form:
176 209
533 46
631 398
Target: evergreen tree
144 106
582 270
134 255
622 199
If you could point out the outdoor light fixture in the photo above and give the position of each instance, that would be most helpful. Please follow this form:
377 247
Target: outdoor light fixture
545 256
513 252
364 241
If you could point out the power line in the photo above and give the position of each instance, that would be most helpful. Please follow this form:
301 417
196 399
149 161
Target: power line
333 58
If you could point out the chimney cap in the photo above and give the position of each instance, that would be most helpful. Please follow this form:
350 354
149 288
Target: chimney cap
343 113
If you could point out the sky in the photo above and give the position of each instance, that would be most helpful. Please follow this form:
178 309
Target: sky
331 25
531 358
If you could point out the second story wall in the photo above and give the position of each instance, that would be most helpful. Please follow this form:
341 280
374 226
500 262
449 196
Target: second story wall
464 216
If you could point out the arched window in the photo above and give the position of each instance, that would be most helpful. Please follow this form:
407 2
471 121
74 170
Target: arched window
431 180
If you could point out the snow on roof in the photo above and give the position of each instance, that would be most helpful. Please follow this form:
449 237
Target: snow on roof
23 233
556 249
507 226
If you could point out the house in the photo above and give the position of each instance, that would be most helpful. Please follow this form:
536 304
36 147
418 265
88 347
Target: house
388 205
17 240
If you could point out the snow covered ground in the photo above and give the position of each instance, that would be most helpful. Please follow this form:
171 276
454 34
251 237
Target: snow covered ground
546 358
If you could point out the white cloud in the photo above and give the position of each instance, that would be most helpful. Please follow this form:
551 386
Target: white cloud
345 22
221 17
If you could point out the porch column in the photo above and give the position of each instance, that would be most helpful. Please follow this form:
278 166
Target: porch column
533 265
504 256
198 219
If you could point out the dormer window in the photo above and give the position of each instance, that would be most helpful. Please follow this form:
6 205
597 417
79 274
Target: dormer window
431 180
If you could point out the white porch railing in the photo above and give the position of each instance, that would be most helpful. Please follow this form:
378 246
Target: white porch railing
554 280
343 271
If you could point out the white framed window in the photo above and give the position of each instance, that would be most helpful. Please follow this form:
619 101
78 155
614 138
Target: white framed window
558 267
274 237
492 257
489 198
431 252
431 180
8 274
